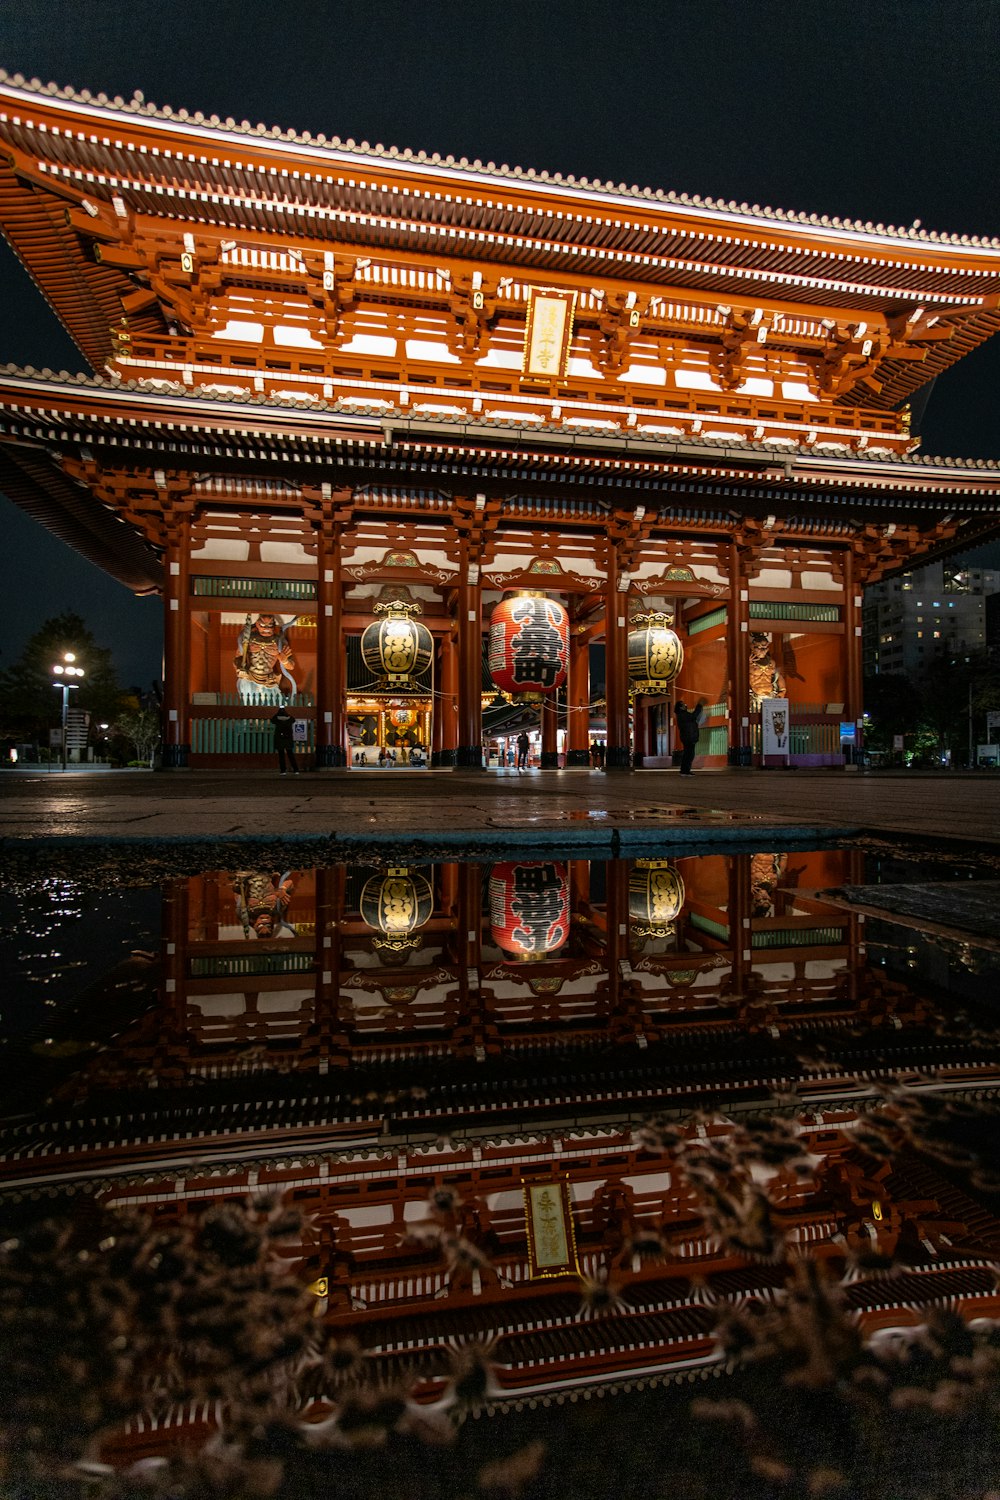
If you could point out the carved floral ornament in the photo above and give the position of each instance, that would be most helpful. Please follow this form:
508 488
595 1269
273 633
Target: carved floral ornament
397 558
676 581
540 984
394 993
549 568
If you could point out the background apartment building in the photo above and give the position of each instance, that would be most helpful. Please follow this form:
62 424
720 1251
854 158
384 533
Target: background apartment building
938 610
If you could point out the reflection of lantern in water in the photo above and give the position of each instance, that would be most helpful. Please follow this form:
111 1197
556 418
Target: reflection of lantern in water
397 904
529 645
655 897
529 907
655 653
397 649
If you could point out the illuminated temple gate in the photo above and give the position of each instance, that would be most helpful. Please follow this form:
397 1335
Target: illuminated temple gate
324 371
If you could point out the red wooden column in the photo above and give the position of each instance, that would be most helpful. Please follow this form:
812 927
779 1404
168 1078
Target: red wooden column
331 726
445 726
618 755
176 734
477 1031
616 878
740 935
328 1037
641 730
578 700
852 656
738 652
174 946
469 754
550 737
214 654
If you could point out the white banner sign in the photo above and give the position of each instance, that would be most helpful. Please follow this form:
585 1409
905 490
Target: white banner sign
774 726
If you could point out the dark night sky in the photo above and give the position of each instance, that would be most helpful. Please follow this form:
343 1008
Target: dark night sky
882 110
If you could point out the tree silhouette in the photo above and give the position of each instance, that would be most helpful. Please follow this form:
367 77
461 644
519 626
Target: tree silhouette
28 705
141 728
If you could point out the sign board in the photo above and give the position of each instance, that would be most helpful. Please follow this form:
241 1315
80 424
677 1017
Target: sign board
848 733
774 726
55 739
992 719
897 742
77 727
549 1222
300 731
988 755
548 332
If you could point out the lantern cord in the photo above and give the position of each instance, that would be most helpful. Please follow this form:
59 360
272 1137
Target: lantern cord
567 708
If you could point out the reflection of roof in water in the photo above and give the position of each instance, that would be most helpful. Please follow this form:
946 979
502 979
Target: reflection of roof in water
755 1052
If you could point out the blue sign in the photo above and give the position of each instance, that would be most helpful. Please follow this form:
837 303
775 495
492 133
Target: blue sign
848 732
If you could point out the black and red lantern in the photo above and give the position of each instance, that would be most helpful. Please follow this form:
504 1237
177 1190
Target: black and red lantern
529 907
529 645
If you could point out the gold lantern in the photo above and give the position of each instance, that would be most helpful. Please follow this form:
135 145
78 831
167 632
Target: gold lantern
655 897
397 649
655 653
397 904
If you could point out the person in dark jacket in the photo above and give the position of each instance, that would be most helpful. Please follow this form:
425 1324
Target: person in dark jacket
688 727
284 741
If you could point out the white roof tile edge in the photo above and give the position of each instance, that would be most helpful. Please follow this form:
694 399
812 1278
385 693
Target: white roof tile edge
691 203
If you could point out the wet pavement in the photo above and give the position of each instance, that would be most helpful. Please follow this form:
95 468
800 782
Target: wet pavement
965 910
496 808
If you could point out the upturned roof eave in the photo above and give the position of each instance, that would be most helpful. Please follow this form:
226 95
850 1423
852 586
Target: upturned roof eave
301 148
71 515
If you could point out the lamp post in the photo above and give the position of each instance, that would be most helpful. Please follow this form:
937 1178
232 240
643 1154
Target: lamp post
62 671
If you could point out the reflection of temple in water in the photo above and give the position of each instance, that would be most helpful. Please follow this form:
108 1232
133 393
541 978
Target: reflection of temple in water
496 1037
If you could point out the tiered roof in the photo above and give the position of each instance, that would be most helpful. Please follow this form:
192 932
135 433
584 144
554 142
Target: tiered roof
135 157
78 168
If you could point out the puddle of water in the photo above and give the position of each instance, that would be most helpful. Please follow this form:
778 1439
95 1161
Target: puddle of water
572 1113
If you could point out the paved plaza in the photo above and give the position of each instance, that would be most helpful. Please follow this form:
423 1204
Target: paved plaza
501 808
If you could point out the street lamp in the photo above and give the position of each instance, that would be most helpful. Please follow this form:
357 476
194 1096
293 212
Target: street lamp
63 671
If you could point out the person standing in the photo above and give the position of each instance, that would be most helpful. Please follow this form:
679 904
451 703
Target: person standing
688 727
284 739
523 746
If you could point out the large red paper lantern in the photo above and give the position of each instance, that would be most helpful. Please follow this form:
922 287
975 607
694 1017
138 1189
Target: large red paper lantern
529 907
529 645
